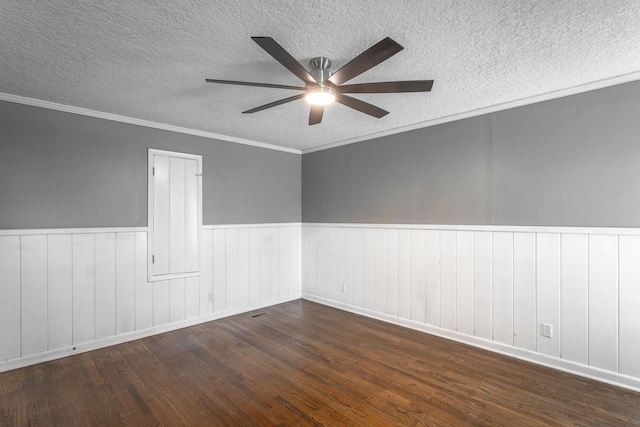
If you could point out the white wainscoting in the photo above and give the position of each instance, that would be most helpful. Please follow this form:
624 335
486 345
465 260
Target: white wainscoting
491 287
66 291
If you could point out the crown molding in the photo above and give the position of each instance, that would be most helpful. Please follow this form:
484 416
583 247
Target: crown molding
561 93
130 120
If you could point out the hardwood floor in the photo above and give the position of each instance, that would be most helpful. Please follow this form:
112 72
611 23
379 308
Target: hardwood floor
303 364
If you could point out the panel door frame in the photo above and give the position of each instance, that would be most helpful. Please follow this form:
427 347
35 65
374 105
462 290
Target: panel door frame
150 213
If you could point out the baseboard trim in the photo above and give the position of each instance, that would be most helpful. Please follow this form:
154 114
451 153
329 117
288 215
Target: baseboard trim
590 372
71 350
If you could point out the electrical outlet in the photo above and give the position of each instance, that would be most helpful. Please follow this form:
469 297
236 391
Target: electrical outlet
210 296
547 330
344 288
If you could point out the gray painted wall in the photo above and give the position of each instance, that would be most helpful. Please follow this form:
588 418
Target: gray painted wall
573 161
61 170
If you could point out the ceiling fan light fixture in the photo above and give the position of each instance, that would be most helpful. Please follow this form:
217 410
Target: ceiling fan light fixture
321 95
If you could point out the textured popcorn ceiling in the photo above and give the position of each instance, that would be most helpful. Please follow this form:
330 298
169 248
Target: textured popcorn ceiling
148 60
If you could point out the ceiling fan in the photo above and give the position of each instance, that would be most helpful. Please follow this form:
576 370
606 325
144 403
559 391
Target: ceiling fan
323 87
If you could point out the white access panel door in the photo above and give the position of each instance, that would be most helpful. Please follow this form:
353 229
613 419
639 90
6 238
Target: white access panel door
175 215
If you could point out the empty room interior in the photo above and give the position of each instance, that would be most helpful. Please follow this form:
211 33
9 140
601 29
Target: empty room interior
319 213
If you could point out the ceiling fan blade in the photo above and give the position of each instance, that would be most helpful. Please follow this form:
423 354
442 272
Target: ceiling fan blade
274 104
368 59
388 87
234 82
315 116
282 56
363 107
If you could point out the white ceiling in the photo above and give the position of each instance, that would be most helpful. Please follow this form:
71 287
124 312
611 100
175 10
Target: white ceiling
148 59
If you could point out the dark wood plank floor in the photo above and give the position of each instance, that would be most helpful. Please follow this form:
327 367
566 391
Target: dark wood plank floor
303 364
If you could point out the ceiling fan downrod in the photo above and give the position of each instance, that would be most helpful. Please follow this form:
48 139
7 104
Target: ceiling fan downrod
319 69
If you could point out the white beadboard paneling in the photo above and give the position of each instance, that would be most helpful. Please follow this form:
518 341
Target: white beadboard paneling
338 282
548 291
324 248
312 286
105 285
206 280
192 297
334 245
417 275
464 282
243 267
287 240
290 272
339 267
448 280
9 297
176 300
575 298
404 273
482 282
357 258
326 256
324 266
497 284
177 222
295 259
289 260
592 281
144 289
432 277
306 259
391 272
33 273
368 270
254 265
502 292
337 261
83 287
603 302
350 265
297 254
125 282
379 292
86 287
219 270
161 314
524 287
274 267
60 289
231 267
629 351
266 243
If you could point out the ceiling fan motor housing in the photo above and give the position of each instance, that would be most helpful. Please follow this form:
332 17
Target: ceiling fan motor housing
319 68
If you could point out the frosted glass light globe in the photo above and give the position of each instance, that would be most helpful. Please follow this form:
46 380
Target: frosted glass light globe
320 96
